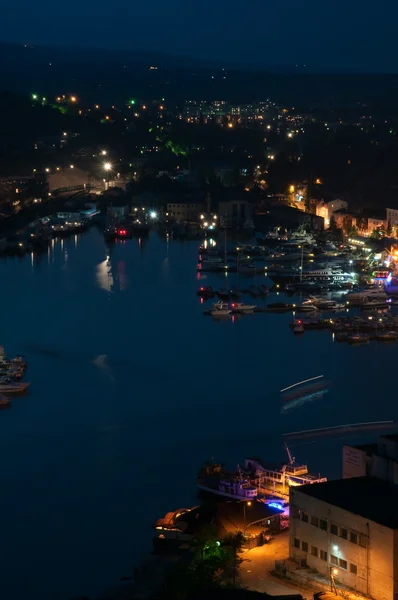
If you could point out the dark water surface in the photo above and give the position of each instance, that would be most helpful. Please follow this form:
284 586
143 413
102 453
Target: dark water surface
98 450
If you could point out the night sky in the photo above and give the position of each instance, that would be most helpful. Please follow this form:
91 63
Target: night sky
353 34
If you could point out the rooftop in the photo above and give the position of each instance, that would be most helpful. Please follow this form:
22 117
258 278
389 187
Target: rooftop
392 437
368 497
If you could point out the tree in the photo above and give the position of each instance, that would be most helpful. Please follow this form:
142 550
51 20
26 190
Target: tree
233 543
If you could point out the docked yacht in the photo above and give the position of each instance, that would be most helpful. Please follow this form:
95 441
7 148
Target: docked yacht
327 275
12 387
239 307
367 293
220 309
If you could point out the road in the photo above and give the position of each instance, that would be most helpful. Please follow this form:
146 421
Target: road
258 563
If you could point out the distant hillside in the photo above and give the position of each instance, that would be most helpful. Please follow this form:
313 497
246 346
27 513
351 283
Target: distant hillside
110 76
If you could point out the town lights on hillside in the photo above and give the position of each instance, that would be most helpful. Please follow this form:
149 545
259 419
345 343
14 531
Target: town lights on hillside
230 125
73 99
104 153
153 214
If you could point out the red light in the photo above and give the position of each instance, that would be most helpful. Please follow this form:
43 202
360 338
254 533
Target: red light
201 289
233 305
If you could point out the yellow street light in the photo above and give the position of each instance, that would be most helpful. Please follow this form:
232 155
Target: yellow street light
73 99
107 166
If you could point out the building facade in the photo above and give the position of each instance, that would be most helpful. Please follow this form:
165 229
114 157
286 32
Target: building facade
344 530
392 217
185 211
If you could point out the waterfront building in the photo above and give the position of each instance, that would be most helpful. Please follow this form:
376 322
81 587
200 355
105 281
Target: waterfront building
327 209
392 217
184 210
347 531
379 459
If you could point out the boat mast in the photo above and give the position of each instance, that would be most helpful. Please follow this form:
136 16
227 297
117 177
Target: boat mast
302 259
291 457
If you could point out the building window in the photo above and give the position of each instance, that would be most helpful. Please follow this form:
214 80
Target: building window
343 533
296 543
323 524
353 569
294 512
353 537
304 546
304 517
314 551
324 555
334 529
334 560
343 564
363 540
314 521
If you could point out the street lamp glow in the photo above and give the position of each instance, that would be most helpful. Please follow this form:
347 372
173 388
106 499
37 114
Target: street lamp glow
73 99
104 153
47 170
34 96
107 166
72 166
153 214
335 572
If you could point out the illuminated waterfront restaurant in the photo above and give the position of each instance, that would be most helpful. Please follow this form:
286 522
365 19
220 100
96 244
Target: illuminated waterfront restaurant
347 531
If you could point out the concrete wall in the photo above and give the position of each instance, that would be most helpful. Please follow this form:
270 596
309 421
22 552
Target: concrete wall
354 462
372 554
67 178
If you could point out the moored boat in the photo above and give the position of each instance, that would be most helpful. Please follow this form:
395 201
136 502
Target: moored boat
220 309
235 486
13 387
239 307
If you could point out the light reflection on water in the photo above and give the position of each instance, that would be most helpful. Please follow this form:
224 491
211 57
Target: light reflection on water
132 390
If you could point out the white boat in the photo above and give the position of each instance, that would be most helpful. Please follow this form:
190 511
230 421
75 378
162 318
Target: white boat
9 387
220 309
370 293
371 303
306 307
324 303
239 307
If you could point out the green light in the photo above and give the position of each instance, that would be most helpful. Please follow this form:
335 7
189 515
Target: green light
34 96
132 101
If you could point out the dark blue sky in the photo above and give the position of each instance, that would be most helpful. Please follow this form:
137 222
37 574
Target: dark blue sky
340 33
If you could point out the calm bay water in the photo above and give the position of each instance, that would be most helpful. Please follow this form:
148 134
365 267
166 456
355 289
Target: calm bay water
100 448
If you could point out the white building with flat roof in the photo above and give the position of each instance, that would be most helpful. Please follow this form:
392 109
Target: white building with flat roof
348 530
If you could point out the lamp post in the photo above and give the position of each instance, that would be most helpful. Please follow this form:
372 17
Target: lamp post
107 169
244 513
332 573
